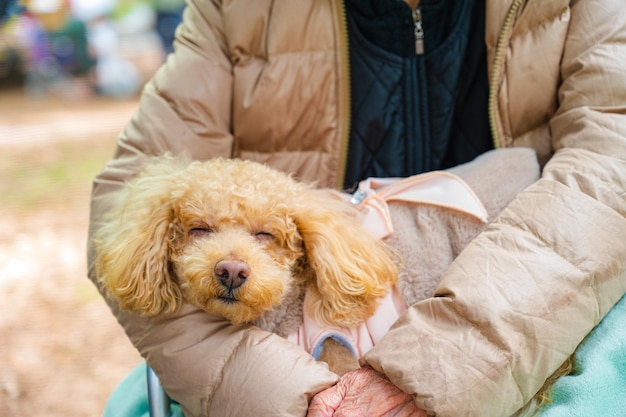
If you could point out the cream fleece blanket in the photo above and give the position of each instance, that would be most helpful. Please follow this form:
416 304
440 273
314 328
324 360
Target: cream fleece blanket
427 238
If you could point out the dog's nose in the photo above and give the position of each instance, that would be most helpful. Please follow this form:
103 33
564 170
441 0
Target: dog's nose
232 274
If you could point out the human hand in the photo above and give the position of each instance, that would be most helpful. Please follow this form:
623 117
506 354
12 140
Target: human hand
363 393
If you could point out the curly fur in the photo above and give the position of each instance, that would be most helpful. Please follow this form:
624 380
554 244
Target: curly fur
171 226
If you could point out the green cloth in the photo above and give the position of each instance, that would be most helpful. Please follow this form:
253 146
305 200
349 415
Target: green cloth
130 397
597 386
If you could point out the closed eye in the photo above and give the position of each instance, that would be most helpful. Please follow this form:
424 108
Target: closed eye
197 231
264 236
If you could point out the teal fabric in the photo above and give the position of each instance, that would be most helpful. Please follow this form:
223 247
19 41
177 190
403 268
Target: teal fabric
130 397
597 387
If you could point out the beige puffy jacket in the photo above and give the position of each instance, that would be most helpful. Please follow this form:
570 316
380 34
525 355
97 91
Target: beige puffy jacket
269 81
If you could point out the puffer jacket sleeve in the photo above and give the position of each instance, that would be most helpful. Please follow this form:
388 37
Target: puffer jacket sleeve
518 301
215 369
209 366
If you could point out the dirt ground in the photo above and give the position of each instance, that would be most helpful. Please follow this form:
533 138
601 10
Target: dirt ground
61 350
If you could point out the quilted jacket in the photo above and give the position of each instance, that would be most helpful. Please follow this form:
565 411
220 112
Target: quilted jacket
397 96
268 81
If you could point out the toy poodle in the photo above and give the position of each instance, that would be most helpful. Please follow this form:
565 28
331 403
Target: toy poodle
244 241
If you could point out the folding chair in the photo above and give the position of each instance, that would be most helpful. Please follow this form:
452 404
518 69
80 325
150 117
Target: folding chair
158 401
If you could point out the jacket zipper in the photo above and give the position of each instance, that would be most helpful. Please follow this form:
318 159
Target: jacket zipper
416 124
495 71
418 31
345 93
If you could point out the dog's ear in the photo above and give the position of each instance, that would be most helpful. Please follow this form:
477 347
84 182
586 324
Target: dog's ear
353 268
133 244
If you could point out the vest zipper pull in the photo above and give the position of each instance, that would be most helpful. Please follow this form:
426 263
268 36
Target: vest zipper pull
419 31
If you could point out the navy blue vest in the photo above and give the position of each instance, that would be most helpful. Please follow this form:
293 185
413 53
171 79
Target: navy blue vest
415 113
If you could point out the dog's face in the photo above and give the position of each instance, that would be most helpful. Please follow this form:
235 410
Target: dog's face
232 237
235 245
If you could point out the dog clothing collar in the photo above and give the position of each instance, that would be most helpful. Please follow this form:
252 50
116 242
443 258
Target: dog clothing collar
437 188
311 334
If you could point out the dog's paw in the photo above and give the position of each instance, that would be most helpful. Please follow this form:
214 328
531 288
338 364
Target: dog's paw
339 358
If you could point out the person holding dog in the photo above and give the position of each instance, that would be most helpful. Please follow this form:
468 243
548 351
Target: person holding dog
337 91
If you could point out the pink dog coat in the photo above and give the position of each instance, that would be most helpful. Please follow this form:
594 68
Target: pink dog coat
311 334
436 188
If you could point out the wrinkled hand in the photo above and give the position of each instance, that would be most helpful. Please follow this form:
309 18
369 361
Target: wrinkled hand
363 393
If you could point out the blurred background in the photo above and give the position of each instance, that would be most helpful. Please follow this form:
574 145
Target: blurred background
70 75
